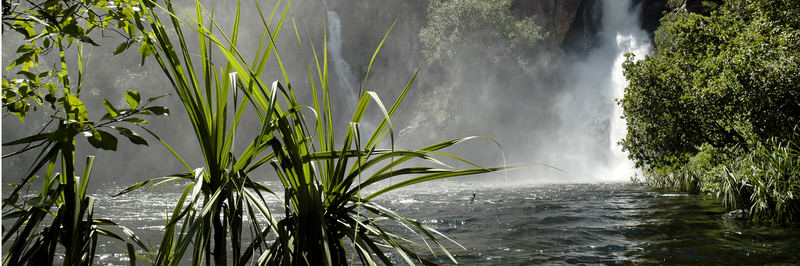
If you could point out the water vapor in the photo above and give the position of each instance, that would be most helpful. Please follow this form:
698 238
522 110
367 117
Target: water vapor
555 108
546 107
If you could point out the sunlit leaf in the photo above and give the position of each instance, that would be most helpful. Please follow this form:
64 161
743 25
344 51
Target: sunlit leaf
133 98
112 112
76 105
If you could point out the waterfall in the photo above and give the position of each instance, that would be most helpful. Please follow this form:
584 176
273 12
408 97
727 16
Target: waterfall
347 80
629 38
591 120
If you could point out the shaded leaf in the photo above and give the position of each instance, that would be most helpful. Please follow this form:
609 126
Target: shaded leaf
135 120
103 140
131 135
29 139
158 110
122 47
152 99
88 40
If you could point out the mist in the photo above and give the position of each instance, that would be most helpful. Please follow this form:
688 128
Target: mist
591 122
552 109
554 112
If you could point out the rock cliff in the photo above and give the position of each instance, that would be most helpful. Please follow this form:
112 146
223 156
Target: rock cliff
571 24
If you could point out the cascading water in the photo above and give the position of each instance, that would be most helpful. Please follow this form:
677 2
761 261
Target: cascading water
587 107
635 43
348 89
344 73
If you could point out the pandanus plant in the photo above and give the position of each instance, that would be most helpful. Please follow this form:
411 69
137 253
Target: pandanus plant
325 216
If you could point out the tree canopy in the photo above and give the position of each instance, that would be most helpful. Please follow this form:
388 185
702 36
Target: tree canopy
727 79
489 26
59 28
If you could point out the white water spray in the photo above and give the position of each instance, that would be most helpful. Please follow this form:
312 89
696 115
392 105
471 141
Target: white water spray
630 39
587 108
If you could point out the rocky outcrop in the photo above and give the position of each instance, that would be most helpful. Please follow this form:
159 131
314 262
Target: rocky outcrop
653 10
367 21
582 35
651 13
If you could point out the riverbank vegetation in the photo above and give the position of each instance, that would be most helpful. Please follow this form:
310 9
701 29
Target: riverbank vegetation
223 215
716 107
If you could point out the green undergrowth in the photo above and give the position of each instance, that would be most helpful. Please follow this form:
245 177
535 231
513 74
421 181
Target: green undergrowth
763 182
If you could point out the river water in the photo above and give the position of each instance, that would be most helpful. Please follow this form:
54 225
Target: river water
607 223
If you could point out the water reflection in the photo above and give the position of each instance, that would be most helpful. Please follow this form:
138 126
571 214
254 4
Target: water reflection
691 229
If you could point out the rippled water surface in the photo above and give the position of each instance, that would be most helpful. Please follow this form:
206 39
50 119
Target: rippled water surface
540 224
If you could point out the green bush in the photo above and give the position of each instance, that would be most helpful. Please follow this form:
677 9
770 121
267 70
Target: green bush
714 109
728 79
57 223
763 182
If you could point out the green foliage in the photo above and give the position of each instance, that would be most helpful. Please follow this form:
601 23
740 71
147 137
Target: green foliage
727 79
62 213
63 201
53 26
717 103
324 211
695 174
476 27
764 183
59 220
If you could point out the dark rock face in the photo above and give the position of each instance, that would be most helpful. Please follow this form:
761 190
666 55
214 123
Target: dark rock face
651 13
701 6
582 34
653 10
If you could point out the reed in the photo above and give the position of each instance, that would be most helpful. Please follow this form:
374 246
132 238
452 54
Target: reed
766 181
326 217
761 181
